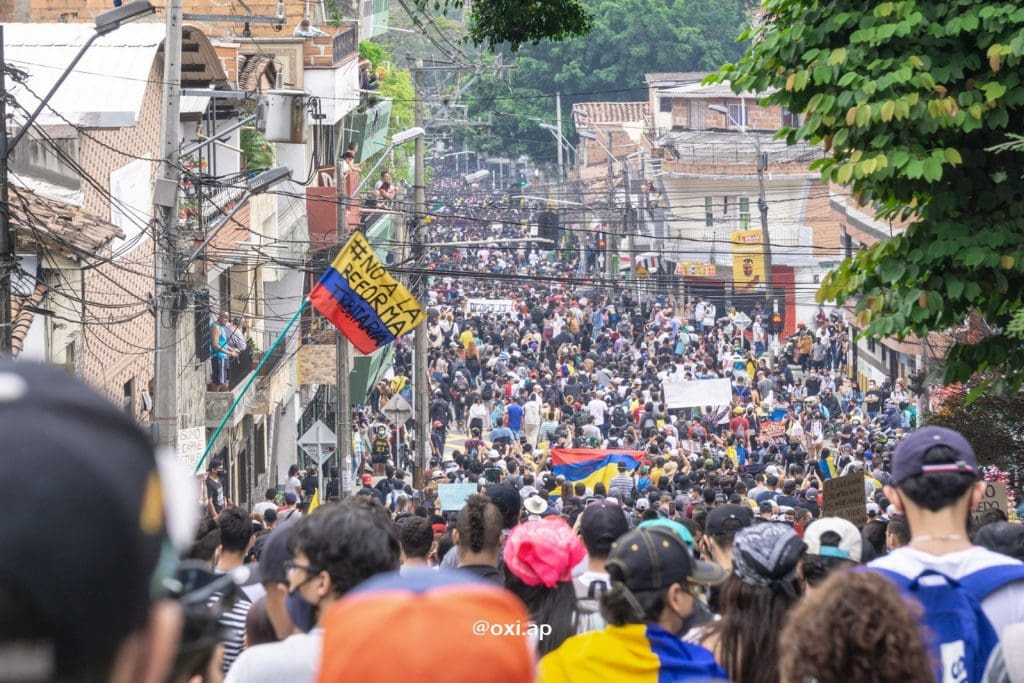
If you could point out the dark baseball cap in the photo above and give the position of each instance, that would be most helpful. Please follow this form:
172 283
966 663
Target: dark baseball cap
908 461
655 557
275 554
728 519
85 525
603 521
508 501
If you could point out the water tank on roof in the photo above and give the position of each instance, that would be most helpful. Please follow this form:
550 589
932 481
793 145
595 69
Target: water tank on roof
286 116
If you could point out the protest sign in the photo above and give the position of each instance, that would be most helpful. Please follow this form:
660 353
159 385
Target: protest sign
845 497
994 499
359 296
453 496
478 306
698 392
773 429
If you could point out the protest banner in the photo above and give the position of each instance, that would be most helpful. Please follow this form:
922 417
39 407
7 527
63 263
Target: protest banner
845 497
995 499
697 393
453 496
773 429
359 296
478 306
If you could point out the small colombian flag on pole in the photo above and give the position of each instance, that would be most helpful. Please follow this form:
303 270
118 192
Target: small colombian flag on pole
359 296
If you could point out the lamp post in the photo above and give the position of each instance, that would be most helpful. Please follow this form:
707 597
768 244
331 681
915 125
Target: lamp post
105 22
561 140
762 202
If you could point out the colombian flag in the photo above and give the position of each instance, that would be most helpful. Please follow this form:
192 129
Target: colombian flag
636 653
591 465
359 296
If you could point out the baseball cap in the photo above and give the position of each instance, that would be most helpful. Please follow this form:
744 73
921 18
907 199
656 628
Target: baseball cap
602 523
390 611
291 499
850 544
767 555
508 501
673 526
642 504
908 461
655 557
91 588
275 554
728 519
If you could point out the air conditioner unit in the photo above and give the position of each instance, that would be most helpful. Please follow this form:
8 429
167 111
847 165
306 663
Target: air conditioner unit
147 401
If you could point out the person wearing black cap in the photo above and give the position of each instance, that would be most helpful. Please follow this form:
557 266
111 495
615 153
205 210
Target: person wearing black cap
599 525
88 549
935 483
648 607
720 529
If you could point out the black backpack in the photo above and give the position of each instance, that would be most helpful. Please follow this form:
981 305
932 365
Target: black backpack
619 417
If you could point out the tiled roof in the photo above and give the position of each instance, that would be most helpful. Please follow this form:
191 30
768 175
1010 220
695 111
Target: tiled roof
253 68
611 112
22 311
64 227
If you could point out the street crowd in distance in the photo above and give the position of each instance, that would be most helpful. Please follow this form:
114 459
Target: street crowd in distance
598 533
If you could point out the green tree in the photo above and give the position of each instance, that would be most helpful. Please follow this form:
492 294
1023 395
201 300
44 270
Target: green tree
398 86
628 39
909 97
515 22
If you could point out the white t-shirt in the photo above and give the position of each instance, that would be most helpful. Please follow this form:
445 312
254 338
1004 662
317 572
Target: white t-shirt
597 408
295 659
1003 607
295 486
260 508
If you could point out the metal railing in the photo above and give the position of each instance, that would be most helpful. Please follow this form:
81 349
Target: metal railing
239 368
345 43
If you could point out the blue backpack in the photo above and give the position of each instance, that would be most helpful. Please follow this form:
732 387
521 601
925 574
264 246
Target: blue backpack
960 636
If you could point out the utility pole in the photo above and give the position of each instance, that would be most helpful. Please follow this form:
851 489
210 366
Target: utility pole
630 228
612 243
558 122
6 234
165 198
342 367
762 205
421 387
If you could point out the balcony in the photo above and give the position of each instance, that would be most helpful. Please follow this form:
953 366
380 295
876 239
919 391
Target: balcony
367 126
328 52
322 208
218 402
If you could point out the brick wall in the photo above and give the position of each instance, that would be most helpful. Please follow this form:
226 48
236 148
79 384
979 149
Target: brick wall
758 118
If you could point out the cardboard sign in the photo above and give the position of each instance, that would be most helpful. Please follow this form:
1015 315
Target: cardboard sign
773 429
475 307
995 499
192 445
844 497
453 496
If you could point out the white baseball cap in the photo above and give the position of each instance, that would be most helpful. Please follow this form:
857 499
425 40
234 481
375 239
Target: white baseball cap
850 545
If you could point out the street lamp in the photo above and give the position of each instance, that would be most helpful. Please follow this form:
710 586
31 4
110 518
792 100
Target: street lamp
762 202
257 185
560 139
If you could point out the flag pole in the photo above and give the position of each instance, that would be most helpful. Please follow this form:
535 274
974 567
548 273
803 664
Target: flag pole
252 378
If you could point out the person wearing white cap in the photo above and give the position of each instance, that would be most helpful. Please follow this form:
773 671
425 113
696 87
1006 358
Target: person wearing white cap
833 543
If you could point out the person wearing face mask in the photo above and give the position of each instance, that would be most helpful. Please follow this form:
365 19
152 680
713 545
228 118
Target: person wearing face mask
648 606
333 550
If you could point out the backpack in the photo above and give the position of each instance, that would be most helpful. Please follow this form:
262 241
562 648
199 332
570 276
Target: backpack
619 417
962 638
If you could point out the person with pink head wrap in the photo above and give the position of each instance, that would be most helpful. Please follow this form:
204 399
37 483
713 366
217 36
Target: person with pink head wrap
539 558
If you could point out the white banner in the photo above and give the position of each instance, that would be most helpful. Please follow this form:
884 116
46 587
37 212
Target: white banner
697 393
477 306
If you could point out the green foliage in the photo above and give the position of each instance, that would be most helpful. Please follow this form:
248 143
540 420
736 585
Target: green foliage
257 153
516 22
334 13
909 97
629 38
397 85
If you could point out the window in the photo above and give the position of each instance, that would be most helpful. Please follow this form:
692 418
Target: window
665 105
709 214
789 119
737 115
871 345
744 213
129 398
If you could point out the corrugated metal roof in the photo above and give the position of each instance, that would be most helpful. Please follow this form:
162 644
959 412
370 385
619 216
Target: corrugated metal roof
105 89
714 90
678 77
